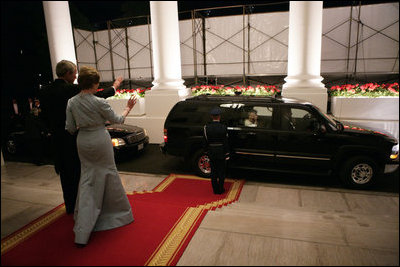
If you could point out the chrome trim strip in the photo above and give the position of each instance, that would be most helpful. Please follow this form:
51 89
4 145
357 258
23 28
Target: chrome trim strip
234 128
256 154
298 157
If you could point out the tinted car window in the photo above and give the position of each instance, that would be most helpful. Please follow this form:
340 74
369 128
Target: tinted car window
256 116
190 114
231 113
199 114
296 119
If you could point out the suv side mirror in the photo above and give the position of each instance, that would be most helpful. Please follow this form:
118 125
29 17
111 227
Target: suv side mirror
318 128
339 126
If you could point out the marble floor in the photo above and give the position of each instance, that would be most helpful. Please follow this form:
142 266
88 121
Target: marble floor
270 224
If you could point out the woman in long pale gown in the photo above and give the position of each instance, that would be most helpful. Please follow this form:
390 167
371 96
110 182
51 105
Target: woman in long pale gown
102 202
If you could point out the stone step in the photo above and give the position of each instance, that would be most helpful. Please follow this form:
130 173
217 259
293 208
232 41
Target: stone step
361 231
381 206
309 215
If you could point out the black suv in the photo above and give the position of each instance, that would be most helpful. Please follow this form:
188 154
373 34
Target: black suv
288 136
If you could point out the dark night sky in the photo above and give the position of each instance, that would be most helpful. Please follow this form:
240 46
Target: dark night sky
105 10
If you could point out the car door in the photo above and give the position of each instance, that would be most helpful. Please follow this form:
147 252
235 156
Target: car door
299 146
253 145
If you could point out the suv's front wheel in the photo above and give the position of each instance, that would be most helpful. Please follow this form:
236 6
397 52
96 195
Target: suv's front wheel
201 164
360 172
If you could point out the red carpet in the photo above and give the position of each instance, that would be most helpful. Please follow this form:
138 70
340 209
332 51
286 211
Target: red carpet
166 218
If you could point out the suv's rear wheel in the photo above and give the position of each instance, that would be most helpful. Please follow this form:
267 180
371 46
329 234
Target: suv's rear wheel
360 172
201 164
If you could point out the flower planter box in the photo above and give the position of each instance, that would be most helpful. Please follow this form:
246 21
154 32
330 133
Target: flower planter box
118 105
365 108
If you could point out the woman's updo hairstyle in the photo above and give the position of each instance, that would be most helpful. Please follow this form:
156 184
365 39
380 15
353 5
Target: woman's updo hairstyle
88 76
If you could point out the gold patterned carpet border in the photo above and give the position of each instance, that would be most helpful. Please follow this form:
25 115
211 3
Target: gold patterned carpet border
169 248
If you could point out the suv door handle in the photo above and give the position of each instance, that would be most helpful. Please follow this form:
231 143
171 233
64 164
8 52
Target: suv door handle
234 128
247 133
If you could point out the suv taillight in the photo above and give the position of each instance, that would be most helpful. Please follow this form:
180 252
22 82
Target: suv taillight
165 136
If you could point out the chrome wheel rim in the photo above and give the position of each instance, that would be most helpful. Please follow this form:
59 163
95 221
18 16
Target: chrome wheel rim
204 164
11 147
362 173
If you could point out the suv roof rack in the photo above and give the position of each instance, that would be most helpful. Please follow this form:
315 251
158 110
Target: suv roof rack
207 97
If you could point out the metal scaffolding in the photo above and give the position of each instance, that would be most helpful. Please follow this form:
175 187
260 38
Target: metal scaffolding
119 36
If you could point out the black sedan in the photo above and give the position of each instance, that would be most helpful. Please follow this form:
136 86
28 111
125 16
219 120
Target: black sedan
126 139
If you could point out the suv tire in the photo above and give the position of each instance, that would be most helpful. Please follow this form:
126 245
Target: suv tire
359 172
201 164
11 146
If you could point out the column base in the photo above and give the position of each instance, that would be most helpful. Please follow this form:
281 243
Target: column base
160 101
158 104
153 125
317 96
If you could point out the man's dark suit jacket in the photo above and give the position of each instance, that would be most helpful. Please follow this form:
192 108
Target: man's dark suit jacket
54 98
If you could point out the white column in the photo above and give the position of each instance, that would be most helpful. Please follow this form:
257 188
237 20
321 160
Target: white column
168 84
59 32
304 55
166 45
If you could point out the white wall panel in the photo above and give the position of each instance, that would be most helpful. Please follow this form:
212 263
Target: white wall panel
118 41
139 51
269 43
224 45
186 42
103 55
377 49
84 47
335 39
199 47
374 45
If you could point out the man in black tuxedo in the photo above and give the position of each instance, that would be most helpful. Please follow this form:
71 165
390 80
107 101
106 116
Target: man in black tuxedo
53 99
216 144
